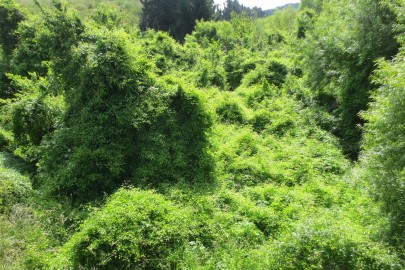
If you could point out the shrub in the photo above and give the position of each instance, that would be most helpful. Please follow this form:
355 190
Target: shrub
134 230
230 112
261 120
5 139
33 119
211 74
164 52
238 62
14 188
273 71
320 244
275 38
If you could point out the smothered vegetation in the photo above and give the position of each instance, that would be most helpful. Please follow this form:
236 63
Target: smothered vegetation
182 135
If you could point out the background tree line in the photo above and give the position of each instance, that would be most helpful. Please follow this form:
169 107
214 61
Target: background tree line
178 17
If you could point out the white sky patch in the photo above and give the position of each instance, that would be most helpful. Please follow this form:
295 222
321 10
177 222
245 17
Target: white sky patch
264 4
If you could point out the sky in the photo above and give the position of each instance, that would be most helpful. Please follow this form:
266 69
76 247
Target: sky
264 4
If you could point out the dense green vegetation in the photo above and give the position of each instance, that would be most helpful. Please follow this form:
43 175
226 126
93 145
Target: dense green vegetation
255 143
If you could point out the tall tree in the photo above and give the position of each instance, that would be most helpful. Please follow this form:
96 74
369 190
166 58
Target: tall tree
233 6
10 17
312 4
178 17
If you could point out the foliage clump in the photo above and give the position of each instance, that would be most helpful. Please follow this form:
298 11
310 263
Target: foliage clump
134 230
230 112
384 144
14 187
122 126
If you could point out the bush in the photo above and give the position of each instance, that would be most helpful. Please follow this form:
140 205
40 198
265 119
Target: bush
33 119
210 74
5 140
320 244
162 50
237 63
273 71
14 188
134 230
261 120
230 112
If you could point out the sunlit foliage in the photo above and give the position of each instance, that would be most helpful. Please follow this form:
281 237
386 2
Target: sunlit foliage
233 149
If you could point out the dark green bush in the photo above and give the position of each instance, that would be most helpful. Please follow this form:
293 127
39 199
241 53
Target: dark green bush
105 92
10 17
5 140
275 38
305 22
211 75
273 121
273 71
33 119
230 112
277 73
237 64
261 120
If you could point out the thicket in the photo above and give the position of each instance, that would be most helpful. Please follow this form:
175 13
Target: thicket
340 55
384 143
125 149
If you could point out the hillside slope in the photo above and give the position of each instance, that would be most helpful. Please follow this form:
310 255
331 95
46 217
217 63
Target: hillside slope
130 10
125 149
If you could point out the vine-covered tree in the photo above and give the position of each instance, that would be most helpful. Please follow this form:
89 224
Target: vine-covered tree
120 124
